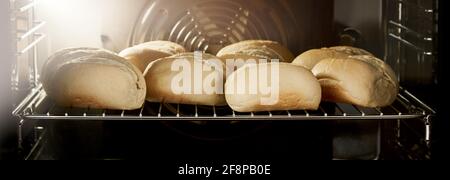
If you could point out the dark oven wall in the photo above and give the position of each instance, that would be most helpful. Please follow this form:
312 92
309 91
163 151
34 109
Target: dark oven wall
314 25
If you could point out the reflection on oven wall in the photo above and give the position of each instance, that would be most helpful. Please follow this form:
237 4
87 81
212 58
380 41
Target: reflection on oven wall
366 18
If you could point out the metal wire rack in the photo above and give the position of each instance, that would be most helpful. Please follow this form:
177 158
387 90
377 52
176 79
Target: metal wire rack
37 106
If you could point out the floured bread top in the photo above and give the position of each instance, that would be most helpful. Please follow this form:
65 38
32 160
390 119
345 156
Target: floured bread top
381 66
260 48
73 55
168 47
352 51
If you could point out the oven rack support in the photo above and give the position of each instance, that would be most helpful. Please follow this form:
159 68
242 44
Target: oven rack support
411 28
25 30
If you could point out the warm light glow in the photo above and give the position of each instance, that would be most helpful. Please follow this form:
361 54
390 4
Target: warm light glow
72 22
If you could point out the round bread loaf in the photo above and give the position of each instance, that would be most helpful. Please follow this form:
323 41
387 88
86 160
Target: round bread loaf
93 78
360 80
310 58
143 54
298 89
259 48
163 74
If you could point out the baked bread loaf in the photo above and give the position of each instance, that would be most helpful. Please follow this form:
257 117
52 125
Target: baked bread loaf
259 48
360 80
162 74
93 78
310 58
143 54
298 89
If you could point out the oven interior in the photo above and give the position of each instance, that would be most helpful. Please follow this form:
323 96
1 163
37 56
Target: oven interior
402 32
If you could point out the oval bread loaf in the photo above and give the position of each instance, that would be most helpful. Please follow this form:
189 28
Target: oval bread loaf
298 89
161 76
93 78
360 80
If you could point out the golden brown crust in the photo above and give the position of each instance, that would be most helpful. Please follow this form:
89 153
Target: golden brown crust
334 93
259 48
310 58
352 51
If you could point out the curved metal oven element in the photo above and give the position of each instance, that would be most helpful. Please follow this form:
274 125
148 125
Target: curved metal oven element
209 25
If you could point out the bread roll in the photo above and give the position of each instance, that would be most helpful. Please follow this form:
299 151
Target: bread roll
259 48
298 89
360 80
143 54
93 78
160 79
310 58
